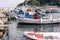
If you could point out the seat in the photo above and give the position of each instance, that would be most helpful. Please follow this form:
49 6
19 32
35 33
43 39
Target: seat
39 36
32 34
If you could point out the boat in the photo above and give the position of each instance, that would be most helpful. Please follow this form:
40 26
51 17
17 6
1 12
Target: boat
42 35
46 19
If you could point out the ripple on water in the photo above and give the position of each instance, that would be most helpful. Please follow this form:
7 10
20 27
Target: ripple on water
16 32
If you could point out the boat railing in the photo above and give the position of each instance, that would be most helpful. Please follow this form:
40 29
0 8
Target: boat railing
56 20
47 18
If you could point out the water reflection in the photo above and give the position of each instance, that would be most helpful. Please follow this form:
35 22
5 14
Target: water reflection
16 31
39 28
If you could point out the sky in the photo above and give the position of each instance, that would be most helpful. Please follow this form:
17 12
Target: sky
10 3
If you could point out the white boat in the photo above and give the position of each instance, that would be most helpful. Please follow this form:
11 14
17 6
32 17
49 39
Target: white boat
42 35
44 20
33 21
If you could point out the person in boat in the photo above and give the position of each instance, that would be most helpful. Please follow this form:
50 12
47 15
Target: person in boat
21 11
28 12
36 15
28 9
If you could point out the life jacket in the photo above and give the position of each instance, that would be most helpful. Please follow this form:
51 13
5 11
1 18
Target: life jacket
36 15
21 12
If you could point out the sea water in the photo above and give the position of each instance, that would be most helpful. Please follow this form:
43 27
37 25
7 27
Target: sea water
16 31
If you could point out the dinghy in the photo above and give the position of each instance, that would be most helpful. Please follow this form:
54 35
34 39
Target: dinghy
42 35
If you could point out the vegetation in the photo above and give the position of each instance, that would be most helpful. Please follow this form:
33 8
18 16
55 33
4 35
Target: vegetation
33 2
44 2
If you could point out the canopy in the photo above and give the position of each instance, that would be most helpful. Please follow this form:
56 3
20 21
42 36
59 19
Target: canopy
10 3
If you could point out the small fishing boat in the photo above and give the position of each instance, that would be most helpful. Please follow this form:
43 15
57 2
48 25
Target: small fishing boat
42 35
34 21
45 20
43 16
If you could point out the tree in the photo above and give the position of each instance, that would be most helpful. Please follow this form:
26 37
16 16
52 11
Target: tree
44 2
33 2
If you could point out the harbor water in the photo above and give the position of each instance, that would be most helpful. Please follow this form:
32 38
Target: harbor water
16 31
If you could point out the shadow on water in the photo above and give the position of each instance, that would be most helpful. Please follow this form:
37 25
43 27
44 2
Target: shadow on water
38 28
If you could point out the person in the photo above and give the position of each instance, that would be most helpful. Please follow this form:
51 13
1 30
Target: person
21 11
36 15
28 12
28 9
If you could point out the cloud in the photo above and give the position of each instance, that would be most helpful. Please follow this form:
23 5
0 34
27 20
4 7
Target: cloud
10 3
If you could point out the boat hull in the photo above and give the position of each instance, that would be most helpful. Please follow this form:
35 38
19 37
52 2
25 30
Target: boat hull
36 21
42 35
22 23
